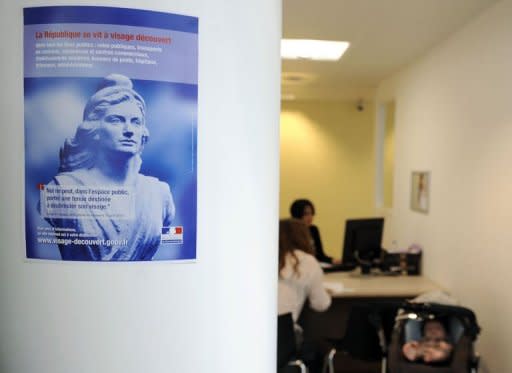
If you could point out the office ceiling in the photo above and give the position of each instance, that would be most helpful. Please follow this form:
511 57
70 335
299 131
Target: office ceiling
385 36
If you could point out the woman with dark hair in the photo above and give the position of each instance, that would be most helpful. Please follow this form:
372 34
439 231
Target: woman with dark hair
304 210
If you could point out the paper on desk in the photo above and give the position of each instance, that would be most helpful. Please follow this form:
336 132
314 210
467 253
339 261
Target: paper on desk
335 287
325 265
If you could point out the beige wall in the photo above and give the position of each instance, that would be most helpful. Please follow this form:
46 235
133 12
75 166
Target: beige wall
328 156
454 118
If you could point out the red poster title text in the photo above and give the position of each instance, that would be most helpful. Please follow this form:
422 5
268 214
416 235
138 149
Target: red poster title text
102 35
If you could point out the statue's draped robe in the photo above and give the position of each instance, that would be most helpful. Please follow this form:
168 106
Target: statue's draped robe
154 209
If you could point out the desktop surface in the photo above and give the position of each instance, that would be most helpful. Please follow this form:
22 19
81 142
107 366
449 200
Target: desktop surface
356 285
353 288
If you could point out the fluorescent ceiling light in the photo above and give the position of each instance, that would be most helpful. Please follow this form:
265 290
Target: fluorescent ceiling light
321 50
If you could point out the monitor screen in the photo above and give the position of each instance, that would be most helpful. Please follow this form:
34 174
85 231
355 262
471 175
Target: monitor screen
363 236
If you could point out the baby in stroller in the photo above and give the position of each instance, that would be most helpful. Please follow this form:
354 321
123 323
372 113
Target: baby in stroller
434 346
430 338
408 338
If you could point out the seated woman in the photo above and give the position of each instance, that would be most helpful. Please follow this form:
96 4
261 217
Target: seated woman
304 210
300 279
432 348
300 275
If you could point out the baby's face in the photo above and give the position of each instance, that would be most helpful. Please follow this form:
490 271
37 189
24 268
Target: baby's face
434 330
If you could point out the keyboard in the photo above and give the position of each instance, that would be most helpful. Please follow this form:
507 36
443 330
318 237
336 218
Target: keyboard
343 267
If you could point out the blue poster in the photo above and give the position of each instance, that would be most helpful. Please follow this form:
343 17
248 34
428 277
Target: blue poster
110 134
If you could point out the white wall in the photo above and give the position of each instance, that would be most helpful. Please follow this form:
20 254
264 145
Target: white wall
217 315
454 118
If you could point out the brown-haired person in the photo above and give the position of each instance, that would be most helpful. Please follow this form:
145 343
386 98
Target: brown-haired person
300 279
300 274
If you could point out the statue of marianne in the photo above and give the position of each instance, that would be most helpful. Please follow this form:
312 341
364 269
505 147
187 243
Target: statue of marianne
106 152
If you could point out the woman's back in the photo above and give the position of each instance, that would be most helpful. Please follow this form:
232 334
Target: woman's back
301 278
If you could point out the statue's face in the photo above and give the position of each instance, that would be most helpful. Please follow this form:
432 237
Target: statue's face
122 128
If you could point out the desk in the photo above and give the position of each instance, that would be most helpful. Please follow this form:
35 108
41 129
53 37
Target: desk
353 288
356 285
358 288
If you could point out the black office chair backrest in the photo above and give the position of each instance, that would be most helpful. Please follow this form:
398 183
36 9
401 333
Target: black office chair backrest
361 339
365 320
286 347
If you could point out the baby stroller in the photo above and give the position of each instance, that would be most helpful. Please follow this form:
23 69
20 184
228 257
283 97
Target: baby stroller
461 329
376 333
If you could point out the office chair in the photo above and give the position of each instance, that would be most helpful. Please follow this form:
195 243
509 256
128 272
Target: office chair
287 361
363 348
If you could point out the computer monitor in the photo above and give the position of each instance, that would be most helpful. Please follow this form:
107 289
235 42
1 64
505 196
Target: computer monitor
363 236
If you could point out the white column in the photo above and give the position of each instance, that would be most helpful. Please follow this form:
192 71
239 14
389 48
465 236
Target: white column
216 315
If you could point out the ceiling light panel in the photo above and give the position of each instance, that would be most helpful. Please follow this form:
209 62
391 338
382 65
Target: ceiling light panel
318 50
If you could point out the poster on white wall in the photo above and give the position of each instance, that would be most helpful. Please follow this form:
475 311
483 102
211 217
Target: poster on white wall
110 112
420 191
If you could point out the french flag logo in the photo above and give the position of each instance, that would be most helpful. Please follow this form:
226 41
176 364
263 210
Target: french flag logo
172 235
